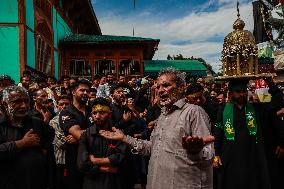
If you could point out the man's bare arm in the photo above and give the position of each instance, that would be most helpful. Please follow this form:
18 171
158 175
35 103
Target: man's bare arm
76 131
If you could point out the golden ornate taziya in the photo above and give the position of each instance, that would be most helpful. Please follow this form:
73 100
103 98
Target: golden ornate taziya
239 55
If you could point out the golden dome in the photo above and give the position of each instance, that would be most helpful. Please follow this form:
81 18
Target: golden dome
240 38
239 24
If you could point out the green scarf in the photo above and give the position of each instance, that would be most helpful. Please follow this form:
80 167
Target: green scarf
228 120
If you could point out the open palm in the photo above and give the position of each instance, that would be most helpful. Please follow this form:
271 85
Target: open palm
194 144
115 134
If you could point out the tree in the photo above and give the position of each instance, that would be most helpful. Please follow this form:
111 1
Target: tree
169 57
278 25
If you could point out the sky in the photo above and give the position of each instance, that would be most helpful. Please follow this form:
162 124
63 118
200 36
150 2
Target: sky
189 27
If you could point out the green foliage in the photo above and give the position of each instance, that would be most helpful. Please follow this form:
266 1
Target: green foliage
278 25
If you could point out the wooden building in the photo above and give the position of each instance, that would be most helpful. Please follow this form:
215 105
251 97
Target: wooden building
87 55
38 35
32 29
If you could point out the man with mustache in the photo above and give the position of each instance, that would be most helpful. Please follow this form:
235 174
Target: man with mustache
249 141
181 153
24 141
98 158
74 120
122 118
41 109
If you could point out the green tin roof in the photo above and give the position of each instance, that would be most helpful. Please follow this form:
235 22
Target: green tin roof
104 38
191 67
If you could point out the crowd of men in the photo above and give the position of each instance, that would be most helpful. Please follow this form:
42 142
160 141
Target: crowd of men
161 133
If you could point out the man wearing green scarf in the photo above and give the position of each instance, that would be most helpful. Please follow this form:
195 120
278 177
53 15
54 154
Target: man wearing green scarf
247 136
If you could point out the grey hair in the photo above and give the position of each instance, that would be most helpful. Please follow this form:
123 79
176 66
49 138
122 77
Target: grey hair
8 90
179 76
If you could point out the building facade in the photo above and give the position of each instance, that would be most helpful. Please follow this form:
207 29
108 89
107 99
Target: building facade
34 35
88 55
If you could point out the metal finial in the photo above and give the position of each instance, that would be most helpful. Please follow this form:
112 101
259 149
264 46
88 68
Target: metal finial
238 4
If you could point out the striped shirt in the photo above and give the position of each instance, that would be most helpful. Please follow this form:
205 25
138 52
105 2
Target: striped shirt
58 142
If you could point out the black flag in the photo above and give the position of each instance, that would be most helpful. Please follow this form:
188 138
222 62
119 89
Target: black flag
260 28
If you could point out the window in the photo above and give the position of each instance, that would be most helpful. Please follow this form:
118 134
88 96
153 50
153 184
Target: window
104 66
129 67
44 49
44 56
80 68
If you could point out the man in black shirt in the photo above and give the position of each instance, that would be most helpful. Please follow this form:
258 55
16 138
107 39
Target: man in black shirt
99 158
40 109
74 120
122 118
121 114
24 141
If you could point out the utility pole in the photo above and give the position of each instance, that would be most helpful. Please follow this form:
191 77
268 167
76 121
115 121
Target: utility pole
134 6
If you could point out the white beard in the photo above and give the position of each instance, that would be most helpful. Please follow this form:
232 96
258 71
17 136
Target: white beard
165 102
169 100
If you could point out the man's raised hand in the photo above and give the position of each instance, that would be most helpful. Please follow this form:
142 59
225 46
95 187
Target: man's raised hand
115 134
126 116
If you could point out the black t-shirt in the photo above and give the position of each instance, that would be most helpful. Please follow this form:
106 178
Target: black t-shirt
69 117
117 119
25 168
37 114
153 113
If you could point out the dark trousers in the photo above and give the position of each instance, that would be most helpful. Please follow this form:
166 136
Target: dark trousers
60 177
74 178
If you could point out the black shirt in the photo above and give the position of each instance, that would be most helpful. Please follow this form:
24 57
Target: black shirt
92 143
211 108
25 168
117 119
142 99
153 113
69 117
37 114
